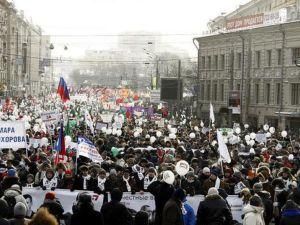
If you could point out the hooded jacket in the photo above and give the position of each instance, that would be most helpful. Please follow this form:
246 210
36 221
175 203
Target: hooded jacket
253 215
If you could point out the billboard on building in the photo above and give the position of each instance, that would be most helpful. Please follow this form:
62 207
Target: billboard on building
245 21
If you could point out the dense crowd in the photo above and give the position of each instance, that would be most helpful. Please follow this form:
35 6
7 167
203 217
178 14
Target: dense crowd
265 175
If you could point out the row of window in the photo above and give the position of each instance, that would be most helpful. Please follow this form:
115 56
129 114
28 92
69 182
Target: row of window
217 62
218 93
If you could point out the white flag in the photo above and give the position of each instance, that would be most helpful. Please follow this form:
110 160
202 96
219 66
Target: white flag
211 113
223 150
89 121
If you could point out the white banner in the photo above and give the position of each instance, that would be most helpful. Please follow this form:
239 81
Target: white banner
137 201
106 118
65 197
13 135
261 138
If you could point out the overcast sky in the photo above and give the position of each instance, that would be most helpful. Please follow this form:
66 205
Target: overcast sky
88 17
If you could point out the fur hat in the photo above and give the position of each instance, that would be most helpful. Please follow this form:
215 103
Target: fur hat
284 170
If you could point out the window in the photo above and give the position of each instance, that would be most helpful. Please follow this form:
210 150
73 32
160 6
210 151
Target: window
278 93
238 87
268 93
215 92
216 62
222 63
202 91
295 94
239 60
222 92
209 62
208 91
203 62
296 54
269 58
256 93
279 57
257 59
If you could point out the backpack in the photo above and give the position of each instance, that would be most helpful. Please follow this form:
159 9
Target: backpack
11 202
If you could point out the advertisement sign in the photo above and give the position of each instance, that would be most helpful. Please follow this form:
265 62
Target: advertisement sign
234 102
245 22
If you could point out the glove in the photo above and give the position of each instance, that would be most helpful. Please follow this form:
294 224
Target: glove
53 188
133 192
44 188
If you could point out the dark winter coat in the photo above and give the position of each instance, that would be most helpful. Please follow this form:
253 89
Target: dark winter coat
172 213
162 193
290 217
115 213
213 211
90 217
54 207
132 183
9 181
209 184
191 188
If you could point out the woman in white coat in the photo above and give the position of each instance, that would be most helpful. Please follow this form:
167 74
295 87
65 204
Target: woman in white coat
253 212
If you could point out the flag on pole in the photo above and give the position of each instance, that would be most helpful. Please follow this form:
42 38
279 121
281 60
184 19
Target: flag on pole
60 146
223 150
211 113
88 120
62 90
87 149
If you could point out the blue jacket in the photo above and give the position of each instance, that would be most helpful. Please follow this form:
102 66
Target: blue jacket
189 217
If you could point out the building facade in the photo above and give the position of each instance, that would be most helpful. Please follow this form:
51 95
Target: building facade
21 53
254 57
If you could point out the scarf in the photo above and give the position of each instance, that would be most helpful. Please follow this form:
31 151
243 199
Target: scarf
139 170
218 182
85 179
127 183
101 183
148 181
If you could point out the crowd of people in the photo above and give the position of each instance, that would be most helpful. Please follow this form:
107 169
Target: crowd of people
265 175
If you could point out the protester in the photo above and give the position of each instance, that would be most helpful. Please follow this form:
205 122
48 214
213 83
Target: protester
3 212
172 211
290 214
53 205
85 213
115 213
20 211
43 217
253 212
213 210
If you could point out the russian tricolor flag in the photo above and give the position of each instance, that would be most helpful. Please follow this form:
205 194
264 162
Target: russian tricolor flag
62 90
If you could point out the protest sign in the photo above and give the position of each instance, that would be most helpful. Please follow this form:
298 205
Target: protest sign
13 135
106 118
66 198
261 138
50 117
87 149
100 125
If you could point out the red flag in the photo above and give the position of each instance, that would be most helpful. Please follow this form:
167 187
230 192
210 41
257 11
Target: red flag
62 90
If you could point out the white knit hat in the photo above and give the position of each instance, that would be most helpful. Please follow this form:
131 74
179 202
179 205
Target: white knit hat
213 191
20 209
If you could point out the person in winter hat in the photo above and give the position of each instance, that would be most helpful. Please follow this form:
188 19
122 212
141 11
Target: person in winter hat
191 184
20 211
3 212
214 181
290 214
12 196
49 182
85 213
213 210
43 217
253 212
11 179
53 205
30 181
150 177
